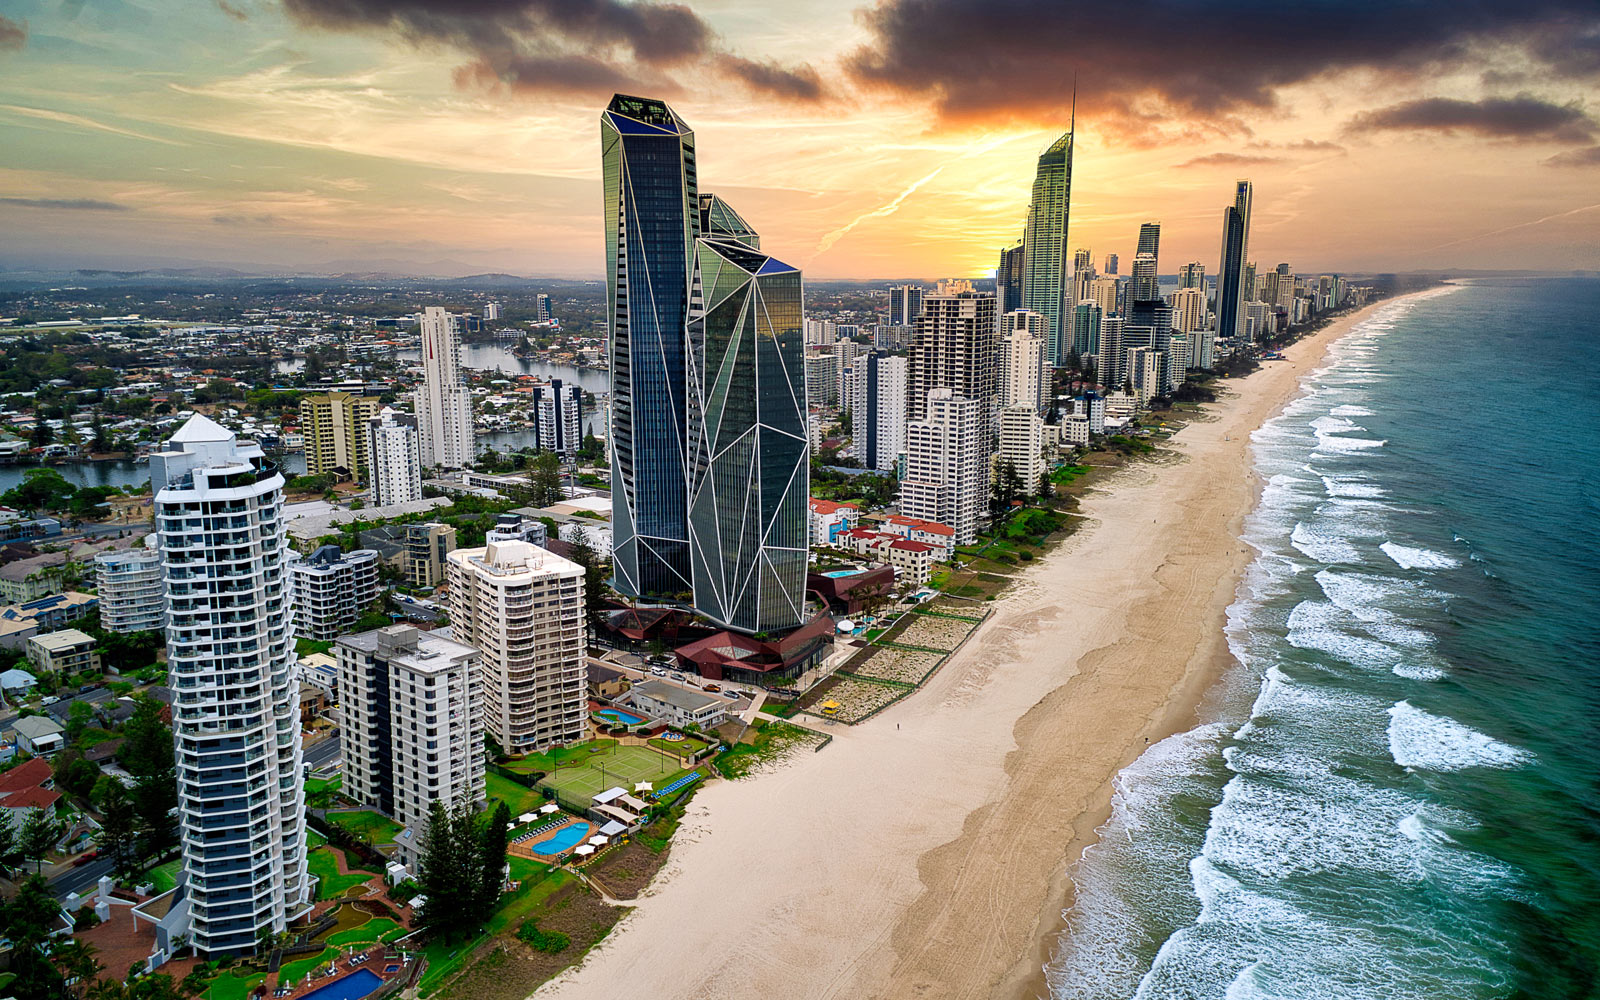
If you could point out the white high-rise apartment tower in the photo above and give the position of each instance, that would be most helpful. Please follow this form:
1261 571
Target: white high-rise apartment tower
880 429
443 404
411 705
236 709
1024 368
523 607
394 451
947 465
133 597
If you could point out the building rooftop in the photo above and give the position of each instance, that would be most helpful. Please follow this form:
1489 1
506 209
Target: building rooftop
677 697
67 638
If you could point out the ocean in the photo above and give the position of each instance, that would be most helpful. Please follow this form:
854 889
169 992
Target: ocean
1395 793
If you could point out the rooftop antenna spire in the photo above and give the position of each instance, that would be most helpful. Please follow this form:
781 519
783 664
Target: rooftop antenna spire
1073 127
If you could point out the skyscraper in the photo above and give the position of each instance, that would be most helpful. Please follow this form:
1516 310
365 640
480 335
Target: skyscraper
1149 239
652 217
1086 329
1111 263
133 597
955 348
749 457
523 607
332 590
235 712
396 473
1045 281
334 425
1231 293
884 423
558 417
1192 275
1008 280
1024 372
1082 260
947 467
443 404
1143 286
905 304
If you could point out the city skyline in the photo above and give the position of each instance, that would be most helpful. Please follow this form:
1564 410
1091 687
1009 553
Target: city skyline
376 137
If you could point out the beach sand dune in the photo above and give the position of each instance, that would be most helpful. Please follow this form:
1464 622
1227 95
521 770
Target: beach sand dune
927 853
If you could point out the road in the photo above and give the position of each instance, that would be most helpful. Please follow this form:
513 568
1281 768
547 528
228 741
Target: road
80 880
323 754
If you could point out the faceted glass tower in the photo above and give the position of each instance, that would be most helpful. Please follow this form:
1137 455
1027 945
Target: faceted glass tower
749 472
652 217
1231 291
1045 257
235 710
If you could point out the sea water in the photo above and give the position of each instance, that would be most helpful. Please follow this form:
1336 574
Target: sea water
1395 793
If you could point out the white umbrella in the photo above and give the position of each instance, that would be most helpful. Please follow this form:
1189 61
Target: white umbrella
584 850
599 840
643 786
549 807
526 818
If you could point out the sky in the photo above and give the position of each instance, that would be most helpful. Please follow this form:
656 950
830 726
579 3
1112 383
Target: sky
895 138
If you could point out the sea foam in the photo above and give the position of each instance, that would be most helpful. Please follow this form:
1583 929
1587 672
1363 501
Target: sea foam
1422 740
1411 557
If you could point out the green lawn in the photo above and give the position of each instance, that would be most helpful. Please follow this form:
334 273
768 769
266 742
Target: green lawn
686 747
548 760
164 877
370 932
325 866
294 972
577 783
317 786
229 986
314 839
375 827
518 798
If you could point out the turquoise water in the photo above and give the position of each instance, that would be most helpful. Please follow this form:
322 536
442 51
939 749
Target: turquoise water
837 573
1394 795
352 987
615 715
564 839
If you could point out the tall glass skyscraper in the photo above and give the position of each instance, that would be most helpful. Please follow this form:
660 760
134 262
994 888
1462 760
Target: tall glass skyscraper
652 217
749 472
1231 291
1008 281
1045 281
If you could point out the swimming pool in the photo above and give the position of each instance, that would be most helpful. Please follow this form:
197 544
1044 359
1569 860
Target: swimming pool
352 987
837 573
618 716
563 840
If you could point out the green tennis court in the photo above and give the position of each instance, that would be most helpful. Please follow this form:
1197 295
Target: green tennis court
578 780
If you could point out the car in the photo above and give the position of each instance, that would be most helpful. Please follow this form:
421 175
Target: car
713 688
659 671
732 694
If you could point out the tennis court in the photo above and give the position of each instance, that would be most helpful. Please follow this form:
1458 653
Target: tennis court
578 780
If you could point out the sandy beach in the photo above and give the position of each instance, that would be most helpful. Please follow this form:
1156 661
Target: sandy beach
927 853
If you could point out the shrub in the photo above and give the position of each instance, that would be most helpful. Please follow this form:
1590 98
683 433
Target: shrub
549 942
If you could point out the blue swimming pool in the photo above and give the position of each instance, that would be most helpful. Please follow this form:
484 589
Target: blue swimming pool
352 987
837 573
563 840
618 716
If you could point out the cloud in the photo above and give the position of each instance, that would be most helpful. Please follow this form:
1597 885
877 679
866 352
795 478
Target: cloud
562 46
1523 118
1149 62
244 220
13 36
1586 157
237 13
75 204
1228 160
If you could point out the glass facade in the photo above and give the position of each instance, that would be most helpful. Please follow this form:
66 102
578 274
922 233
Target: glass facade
749 470
1044 244
1231 290
652 217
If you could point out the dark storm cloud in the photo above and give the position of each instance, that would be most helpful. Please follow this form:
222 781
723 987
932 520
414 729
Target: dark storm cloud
13 36
1523 117
582 46
1143 63
77 204
1587 157
1228 160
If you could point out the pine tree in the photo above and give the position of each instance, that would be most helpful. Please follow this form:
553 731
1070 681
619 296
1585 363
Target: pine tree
39 834
492 859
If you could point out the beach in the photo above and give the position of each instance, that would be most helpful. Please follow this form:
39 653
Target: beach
927 853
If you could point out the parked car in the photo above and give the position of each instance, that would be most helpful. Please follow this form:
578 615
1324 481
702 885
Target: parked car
659 671
731 694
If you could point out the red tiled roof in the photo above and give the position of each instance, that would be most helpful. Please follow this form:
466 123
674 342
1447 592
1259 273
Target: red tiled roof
30 774
829 506
35 798
931 527
907 545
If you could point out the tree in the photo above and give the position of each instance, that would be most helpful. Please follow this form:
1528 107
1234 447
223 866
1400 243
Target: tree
1047 489
73 771
1006 488
41 489
77 966
594 584
544 479
492 857
119 829
147 754
9 851
28 919
39 834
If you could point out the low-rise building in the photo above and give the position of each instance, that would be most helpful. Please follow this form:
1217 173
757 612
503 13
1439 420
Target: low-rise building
68 651
30 579
913 560
16 681
426 546
39 735
941 536
28 786
678 706
21 622
829 517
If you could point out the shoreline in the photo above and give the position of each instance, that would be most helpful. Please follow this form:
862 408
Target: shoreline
928 852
